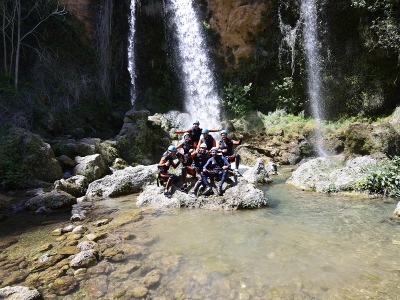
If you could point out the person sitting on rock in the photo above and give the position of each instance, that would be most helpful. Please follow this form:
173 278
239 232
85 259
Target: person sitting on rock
195 132
225 146
187 146
166 161
199 159
216 167
207 139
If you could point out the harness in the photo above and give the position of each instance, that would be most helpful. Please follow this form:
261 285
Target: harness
199 160
195 134
208 141
164 169
228 146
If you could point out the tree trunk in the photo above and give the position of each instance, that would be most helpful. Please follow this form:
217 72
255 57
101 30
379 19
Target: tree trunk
18 44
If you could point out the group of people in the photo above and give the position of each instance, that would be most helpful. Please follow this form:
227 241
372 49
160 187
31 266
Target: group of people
201 157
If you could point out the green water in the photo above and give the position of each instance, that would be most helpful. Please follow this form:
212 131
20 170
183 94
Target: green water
303 246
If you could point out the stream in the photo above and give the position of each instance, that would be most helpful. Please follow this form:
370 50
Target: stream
303 246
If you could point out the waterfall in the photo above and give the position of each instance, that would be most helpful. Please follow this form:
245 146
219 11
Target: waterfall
201 100
310 35
131 52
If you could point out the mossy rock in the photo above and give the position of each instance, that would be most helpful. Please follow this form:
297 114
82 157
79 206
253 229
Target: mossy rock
367 139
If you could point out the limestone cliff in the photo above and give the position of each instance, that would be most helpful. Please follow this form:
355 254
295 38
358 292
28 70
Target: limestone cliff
237 23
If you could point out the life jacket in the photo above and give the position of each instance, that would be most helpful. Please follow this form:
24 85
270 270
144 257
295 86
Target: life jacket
208 142
200 160
228 146
195 134
164 169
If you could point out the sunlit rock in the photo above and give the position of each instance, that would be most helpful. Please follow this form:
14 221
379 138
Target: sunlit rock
75 185
19 292
127 181
92 167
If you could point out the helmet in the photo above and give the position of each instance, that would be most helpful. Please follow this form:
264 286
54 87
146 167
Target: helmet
214 149
172 148
205 130
224 132
196 122
185 134
203 145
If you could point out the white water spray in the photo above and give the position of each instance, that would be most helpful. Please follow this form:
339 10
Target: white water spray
310 34
201 101
131 52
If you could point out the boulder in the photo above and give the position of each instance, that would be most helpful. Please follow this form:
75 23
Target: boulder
63 285
365 139
66 161
84 258
19 292
54 199
258 173
127 181
29 158
237 194
75 185
331 173
92 167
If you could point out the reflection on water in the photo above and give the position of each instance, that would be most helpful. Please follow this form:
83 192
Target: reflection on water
303 246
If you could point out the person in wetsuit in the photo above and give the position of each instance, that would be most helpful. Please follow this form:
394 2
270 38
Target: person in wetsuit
225 146
199 159
207 139
216 167
195 132
166 161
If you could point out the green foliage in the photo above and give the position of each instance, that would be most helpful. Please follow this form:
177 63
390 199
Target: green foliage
385 23
283 95
236 99
330 189
384 178
13 173
253 203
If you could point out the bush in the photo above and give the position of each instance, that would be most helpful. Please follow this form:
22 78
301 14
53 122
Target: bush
384 178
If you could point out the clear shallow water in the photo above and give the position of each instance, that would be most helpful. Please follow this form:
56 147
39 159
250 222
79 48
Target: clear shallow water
304 246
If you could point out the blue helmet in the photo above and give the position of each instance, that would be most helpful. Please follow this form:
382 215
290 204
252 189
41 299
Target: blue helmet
224 132
172 148
205 130
214 149
196 122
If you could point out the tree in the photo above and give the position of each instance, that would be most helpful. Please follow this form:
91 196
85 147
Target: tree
20 22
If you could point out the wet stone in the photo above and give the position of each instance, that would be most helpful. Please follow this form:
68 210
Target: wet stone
7 242
68 250
139 292
63 285
15 277
104 267
97 287
151 278
57 232
45 247
102 222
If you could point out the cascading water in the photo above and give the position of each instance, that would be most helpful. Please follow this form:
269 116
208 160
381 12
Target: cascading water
131 52
310 35
201 101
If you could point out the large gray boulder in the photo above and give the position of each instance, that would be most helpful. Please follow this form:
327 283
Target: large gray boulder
239 194
92 167
127 181
54 200
331 173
